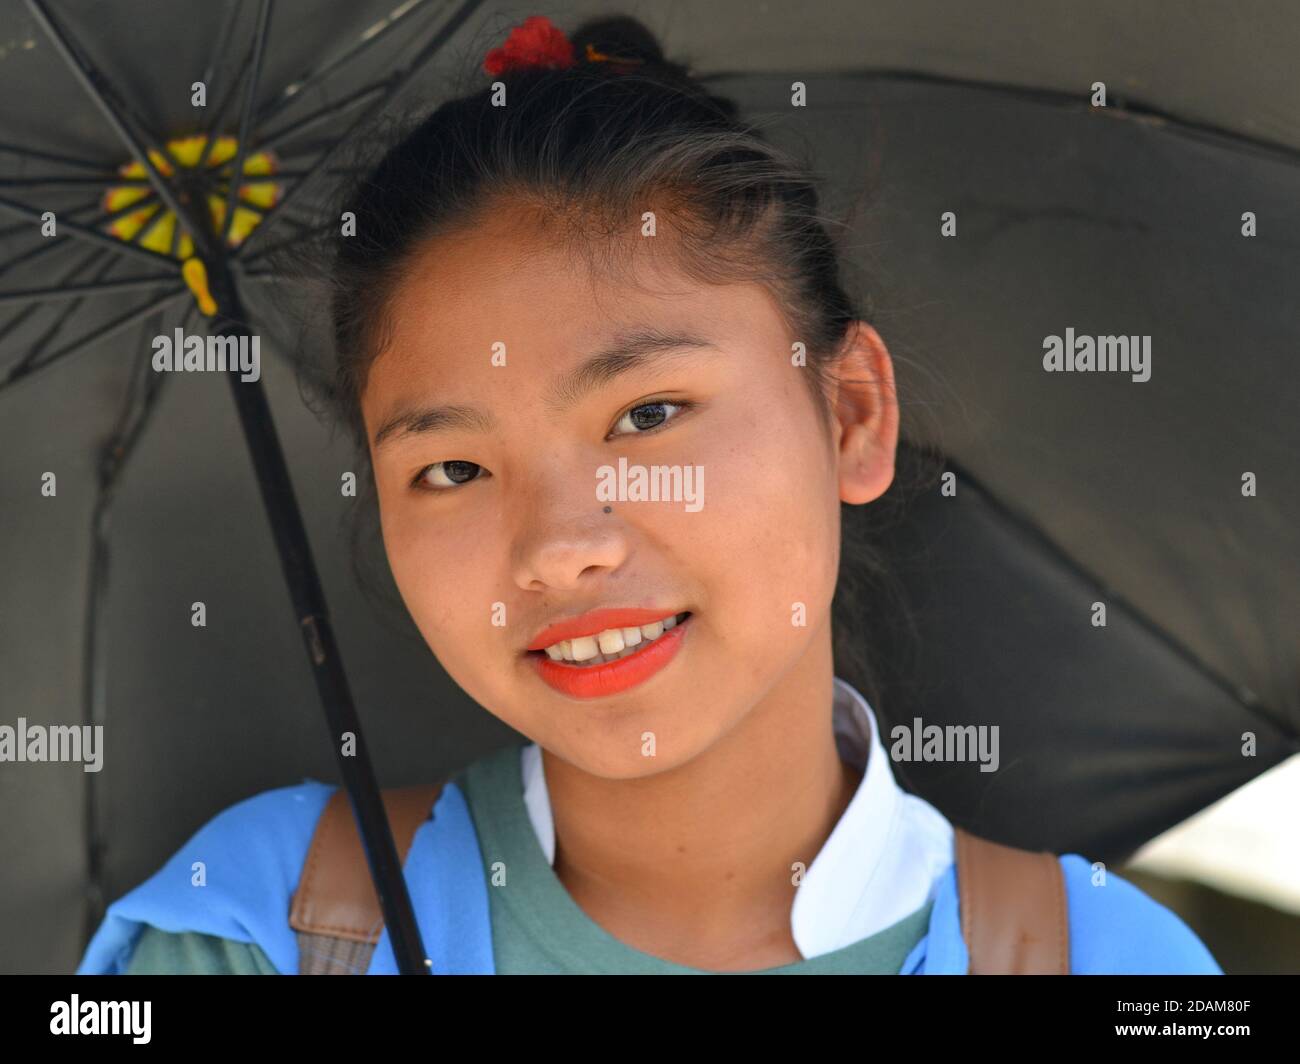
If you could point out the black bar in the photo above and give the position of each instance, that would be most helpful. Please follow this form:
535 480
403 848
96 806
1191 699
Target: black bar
294 550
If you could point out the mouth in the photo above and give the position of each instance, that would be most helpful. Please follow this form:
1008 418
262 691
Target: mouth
612 660
610 644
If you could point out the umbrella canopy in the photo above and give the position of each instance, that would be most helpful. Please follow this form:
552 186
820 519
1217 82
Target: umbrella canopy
1071 488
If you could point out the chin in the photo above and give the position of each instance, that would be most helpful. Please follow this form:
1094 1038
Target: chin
620 749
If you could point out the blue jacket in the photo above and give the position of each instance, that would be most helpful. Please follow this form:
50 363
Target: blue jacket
253 852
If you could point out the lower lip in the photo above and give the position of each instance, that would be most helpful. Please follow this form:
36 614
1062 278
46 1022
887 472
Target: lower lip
613 677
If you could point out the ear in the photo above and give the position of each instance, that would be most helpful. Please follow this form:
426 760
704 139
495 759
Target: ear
866 407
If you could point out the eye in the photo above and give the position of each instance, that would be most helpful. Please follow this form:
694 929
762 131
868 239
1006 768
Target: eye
645 417
442 476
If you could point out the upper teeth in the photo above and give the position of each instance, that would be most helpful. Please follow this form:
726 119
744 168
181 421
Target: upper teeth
609 645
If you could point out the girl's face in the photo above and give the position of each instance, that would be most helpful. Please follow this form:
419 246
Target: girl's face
512 385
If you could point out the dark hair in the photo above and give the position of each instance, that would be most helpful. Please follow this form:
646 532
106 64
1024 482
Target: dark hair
588 148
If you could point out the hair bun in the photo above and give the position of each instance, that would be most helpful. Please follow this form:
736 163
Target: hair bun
620 37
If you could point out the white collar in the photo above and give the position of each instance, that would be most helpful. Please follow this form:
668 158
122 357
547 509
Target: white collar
882 861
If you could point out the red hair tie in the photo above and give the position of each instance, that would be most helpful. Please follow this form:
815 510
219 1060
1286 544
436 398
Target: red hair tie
537 43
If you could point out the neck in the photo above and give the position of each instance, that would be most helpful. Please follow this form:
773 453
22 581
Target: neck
699 862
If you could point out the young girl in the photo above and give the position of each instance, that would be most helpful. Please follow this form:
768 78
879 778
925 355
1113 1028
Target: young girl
594 345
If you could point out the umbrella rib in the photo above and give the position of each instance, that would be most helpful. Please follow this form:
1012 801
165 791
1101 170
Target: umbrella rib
93 236
26 312
97 87
279 136
64 181
309 215
270 250
102 288
210 72
246 116
50 157
399 82
219 112
294 90
308 599
1029 527
292 175
223 39
52 333
111 328
34 253
141 395
12 230
149 201
150 225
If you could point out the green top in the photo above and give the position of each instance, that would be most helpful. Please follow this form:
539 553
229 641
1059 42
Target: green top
537 928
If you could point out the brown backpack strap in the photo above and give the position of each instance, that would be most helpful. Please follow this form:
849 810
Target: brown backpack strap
1014 916
336 909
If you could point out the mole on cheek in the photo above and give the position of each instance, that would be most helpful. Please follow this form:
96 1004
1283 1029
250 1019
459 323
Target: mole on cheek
609 509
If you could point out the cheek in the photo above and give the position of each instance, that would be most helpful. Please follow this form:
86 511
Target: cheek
774 510
435 565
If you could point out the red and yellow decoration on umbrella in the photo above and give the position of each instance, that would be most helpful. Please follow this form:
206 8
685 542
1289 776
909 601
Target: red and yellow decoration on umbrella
153 226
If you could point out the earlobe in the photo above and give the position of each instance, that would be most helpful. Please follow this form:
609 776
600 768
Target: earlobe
866 468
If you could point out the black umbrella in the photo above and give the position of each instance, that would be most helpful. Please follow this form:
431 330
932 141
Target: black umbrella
199 186
1070 489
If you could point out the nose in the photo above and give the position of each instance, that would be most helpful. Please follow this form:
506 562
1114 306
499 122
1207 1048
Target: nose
565 537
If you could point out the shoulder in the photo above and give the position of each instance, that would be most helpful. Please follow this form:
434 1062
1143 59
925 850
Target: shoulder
271 814
192 953
231 879
261 840
1116 929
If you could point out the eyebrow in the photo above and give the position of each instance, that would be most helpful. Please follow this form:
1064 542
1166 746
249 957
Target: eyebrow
629 351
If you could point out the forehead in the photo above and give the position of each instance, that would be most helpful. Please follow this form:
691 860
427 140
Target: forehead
520 277
515 262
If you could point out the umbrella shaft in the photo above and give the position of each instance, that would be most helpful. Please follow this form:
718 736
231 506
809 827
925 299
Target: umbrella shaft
322 651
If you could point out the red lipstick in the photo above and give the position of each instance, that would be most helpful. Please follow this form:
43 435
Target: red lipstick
596 621
612 677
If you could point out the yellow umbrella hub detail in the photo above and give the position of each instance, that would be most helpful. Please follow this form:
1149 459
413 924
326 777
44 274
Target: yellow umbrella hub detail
153 226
